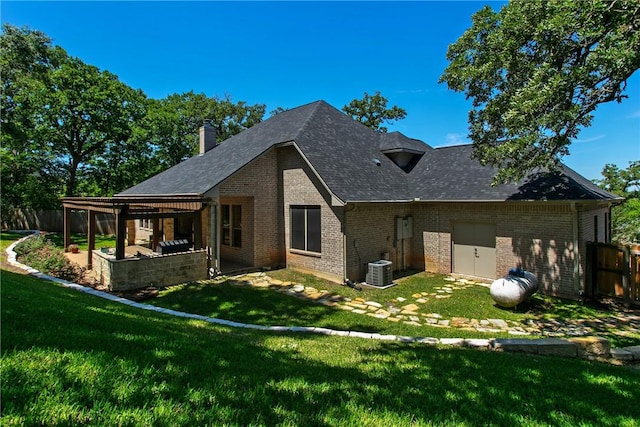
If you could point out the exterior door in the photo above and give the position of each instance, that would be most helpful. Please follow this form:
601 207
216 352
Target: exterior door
474 249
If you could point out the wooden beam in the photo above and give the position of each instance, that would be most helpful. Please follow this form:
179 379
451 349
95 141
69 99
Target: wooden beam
197 230
91 237
67 227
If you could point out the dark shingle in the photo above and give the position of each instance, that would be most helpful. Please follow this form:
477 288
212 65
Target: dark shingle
349 158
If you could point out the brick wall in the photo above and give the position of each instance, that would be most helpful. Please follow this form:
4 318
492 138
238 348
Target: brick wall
371 235
536 237
256 188
301 187
137 273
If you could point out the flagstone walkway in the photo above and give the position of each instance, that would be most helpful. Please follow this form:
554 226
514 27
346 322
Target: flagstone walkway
412 311
400 310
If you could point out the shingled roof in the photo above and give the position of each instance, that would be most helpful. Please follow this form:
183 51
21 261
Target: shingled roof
356 164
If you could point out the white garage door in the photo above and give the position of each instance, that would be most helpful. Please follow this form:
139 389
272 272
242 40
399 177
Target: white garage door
474 249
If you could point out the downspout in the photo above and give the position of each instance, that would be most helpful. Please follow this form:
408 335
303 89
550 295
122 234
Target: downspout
214 246
576 252
345 237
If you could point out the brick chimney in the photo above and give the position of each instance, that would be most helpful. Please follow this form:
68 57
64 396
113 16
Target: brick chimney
207 137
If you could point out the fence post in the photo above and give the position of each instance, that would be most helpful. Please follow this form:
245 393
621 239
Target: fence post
626 275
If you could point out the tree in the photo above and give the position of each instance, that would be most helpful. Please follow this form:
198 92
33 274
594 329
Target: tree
82 113
172 123
536 71
30 174
625 218
60 115
372 111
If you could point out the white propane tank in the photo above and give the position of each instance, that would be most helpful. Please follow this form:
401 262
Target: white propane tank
514 288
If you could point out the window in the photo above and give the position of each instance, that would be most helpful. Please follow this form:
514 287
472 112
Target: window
305 228
231 216
144 223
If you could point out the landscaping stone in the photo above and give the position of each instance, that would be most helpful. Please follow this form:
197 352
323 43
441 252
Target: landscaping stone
498 323
456 342
373 304
477 343
359 311
515 345
557 347
592 345
634 350
621 354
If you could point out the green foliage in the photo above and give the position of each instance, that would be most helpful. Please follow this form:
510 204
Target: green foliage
372 111
535 72
625 218
43 255
172 123
58 115
30 174
69 358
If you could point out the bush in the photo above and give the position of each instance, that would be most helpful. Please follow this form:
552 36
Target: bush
32 244
43 255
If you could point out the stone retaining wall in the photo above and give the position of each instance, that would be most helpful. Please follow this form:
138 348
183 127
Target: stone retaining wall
137 273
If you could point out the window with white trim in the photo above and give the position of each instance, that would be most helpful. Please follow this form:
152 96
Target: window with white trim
305 228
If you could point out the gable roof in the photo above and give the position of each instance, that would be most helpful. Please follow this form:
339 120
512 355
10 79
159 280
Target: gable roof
350 159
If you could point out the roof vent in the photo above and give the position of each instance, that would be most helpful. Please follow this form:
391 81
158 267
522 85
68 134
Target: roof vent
377 162
404 158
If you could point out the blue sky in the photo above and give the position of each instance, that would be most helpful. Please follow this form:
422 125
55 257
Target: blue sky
285 54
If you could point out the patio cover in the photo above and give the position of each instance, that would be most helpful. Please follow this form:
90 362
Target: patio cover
134 207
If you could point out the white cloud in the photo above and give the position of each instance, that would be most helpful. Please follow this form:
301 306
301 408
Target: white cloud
455 139
591 139
634 115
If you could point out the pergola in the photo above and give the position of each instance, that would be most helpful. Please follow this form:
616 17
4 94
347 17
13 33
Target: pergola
131 208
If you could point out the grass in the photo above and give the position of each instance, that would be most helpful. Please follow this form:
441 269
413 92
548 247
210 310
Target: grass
69 359
106 241
266 307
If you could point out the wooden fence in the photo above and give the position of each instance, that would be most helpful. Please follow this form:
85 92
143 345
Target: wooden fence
53 221
613 271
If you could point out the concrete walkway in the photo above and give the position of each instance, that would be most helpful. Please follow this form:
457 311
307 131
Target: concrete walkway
587 347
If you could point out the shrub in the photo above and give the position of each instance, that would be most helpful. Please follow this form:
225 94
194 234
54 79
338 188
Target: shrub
32 244
43 255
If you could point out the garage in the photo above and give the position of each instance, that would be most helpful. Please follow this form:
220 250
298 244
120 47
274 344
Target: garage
474 249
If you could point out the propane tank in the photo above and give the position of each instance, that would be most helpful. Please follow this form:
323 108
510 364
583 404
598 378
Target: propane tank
514 288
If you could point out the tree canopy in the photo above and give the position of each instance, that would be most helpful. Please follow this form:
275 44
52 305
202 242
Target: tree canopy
625 218
372 111
69 128
536 71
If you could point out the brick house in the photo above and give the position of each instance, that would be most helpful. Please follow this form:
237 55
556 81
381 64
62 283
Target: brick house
314 190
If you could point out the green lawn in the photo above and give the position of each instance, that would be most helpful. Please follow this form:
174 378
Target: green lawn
72 359
223 299
108 241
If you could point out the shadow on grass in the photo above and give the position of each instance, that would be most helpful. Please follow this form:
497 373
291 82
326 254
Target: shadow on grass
256 306
71 357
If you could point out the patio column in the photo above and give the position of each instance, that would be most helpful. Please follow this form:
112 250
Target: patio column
155 240
91 237
67 227
197 230
121 231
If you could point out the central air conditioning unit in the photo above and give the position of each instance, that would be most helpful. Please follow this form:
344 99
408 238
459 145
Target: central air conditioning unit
380 273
